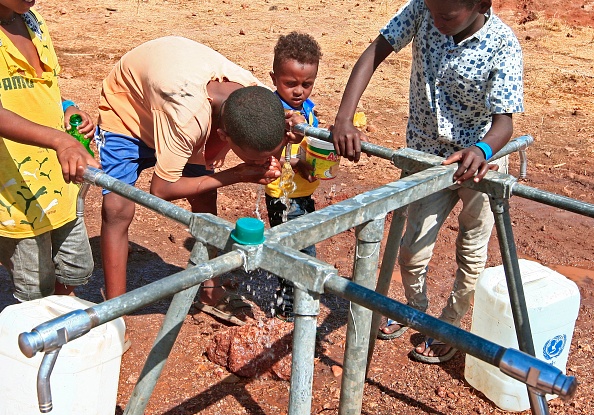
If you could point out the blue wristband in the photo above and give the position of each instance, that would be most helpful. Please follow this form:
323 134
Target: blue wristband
67 104
485 148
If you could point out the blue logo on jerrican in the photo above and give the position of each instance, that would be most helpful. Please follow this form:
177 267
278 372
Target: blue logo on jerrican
554 347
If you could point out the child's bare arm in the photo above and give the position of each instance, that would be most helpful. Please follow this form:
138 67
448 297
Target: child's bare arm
347 139
72 155
186 187
303 168
293 118
472 159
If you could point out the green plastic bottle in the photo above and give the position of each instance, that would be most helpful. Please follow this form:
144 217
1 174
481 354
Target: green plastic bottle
75 121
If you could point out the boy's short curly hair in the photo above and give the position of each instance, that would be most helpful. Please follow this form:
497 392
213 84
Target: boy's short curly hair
254 118
301 47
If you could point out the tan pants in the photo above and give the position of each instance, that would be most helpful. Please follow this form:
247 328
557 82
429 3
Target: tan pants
425 218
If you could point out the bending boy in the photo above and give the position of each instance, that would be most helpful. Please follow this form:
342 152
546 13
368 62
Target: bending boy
180 106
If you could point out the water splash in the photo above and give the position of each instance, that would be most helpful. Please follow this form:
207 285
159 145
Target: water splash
259 197
286 183
287 186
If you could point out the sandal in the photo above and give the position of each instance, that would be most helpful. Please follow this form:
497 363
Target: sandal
433 359
228 308
387 322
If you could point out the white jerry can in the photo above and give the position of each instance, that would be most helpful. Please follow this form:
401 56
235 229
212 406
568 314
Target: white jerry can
553 303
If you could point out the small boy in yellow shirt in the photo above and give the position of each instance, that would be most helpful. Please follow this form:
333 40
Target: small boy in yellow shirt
295 67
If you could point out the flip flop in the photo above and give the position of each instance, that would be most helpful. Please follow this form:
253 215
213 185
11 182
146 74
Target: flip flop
227 308
387 322
433 359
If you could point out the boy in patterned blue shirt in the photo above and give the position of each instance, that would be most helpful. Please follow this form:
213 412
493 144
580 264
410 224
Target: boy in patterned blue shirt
466 82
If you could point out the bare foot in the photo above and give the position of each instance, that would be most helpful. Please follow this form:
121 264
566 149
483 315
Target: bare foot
433 351
220 300
211 291
390 329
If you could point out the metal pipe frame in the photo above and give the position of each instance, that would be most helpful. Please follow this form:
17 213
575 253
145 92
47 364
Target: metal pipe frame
307 308
500 209
311 277
369 237
552 199
165 340
385 274
519 365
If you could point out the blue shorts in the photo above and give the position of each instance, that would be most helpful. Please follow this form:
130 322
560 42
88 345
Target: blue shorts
124 157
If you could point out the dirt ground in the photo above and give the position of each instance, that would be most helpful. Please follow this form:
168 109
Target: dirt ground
558 42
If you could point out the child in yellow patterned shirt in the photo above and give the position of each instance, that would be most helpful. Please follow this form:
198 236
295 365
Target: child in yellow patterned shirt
43 245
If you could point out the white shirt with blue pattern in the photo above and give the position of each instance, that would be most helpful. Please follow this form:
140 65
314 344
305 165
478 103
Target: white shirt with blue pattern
455 89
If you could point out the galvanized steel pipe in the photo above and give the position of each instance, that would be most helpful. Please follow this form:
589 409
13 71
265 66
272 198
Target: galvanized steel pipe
517 364
78 322
165 340
552 199
168 209
369 237
307 308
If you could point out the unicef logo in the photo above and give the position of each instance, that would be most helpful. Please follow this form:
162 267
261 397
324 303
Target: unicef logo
554 347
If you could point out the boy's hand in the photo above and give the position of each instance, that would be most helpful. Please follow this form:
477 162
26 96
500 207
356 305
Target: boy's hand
74 159
347 140
293 118
261 174
472 164
304 169
87 127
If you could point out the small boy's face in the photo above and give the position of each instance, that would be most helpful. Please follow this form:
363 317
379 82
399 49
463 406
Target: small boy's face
294 81
453 17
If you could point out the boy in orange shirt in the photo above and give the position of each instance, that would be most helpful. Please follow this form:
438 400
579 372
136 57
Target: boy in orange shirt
180 106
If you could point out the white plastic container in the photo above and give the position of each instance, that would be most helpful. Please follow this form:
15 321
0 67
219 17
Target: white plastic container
85 377
553 303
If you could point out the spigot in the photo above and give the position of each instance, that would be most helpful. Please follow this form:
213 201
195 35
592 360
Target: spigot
540 376
80 199
56 333
49 337
288 152
44 391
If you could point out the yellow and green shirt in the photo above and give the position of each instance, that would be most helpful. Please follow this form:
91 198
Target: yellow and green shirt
34 198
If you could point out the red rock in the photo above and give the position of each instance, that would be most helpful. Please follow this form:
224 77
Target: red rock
336 371
254 350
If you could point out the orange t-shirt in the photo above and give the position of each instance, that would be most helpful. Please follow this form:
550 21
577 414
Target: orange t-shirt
157 93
